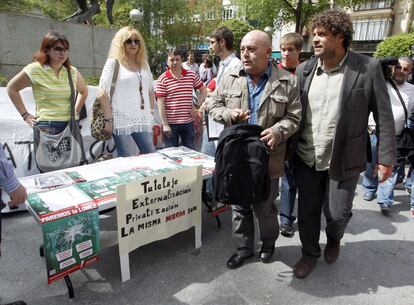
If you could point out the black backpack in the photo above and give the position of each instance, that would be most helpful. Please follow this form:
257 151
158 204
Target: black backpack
241 173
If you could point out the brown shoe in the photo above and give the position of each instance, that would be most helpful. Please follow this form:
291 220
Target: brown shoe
303 267
331 252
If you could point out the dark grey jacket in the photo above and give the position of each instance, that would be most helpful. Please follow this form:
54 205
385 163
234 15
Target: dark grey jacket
363 91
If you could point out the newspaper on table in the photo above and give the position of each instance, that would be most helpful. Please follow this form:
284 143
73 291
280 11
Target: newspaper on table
188 157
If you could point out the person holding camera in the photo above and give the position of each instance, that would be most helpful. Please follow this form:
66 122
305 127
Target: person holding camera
384 191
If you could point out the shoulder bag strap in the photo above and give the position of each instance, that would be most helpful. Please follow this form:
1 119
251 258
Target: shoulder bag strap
401 100
72 95
73 124
114 78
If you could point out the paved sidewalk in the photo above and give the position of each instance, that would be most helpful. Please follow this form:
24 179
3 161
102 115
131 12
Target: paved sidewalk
376 266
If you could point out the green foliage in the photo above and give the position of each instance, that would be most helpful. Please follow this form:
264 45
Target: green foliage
239 29
395 46
120 14
92 80
277 13
56 9
3 80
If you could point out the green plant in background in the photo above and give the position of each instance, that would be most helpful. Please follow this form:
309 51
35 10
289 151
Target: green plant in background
56 9
3 80
92 80
277 13
395 46
239 29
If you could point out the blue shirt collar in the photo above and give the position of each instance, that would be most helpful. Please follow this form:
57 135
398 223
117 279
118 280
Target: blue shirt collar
266 73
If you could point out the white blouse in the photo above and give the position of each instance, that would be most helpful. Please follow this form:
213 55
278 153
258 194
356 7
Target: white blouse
126 100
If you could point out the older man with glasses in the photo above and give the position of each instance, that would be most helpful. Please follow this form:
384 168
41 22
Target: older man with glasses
385 190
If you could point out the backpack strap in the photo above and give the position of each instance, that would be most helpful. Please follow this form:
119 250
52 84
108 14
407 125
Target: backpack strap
393 84
310 63
309 66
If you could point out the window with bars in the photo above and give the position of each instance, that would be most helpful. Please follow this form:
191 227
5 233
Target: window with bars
377 29
228 14
373 5
210 15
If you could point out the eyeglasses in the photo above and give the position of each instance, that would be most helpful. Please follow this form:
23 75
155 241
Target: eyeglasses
398 67
213 41
130 41
60 50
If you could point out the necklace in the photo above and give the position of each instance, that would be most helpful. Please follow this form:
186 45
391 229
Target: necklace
139 76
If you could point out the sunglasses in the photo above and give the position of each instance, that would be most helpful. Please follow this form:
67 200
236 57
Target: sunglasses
60 50
130 41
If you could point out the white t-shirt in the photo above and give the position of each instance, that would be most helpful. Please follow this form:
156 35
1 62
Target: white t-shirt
194 67
407 93
126 100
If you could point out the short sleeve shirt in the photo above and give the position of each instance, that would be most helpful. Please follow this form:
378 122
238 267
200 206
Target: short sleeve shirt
51 92
178 95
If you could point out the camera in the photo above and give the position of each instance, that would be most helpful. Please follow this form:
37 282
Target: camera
386 62
389 61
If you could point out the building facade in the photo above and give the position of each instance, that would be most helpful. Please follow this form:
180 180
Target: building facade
376 20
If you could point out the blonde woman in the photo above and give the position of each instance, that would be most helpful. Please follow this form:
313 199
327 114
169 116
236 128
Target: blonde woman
130 110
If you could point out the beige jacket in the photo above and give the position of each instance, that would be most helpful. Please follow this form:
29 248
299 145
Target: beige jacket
279 108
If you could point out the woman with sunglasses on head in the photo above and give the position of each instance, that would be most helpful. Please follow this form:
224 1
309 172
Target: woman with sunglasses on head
129 112
48 77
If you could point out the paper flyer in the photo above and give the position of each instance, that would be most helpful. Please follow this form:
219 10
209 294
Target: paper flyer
102 189
46 202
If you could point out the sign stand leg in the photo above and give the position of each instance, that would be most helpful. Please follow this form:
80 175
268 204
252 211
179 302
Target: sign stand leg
204 199
70 287
198 236
125 272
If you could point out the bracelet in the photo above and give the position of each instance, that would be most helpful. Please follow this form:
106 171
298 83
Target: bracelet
24 114
109 120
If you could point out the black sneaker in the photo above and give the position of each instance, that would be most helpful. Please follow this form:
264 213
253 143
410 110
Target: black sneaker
385 209
287 230
16 303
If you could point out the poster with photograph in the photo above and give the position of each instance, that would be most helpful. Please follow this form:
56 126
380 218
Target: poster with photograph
70 240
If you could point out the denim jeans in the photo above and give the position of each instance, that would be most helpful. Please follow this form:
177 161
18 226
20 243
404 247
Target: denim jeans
370 185
52 127
208 148
412 196
287 197
370 182
409 180
183 131
142 139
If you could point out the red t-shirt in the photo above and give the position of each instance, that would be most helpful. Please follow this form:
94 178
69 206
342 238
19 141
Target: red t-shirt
212 84
287 69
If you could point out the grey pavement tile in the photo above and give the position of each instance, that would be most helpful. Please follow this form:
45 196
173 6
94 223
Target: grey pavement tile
375 266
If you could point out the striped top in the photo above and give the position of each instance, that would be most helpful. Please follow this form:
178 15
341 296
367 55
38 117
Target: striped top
178 95
8 179
51 93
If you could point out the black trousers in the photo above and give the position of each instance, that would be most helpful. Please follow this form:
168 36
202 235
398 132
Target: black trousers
317 193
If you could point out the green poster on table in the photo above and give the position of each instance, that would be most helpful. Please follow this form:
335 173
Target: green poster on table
70 224
70 239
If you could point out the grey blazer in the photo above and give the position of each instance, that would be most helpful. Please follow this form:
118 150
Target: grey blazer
363 91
